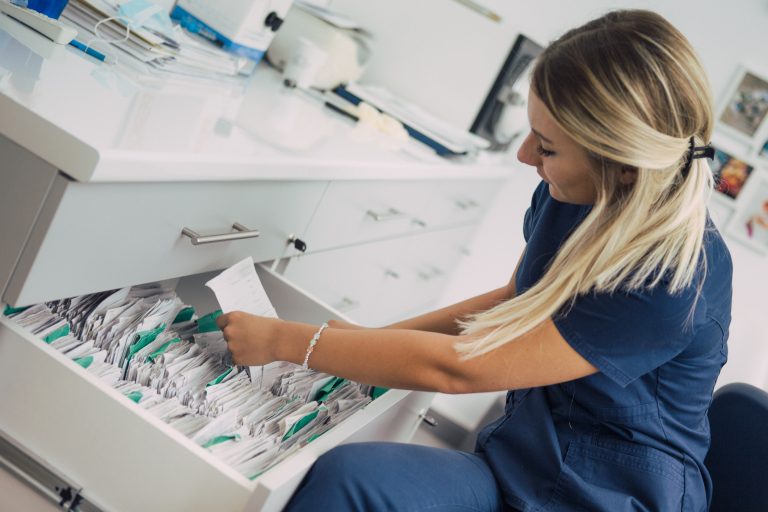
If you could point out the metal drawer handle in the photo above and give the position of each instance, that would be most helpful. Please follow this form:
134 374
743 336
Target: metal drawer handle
390 214
345 304
432 273
241 232
466 204
429 420
391 273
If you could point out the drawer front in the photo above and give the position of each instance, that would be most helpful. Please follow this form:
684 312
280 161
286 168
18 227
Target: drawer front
125 459
382 282
431 263
354 212
460 202
92 237
356 281
122 457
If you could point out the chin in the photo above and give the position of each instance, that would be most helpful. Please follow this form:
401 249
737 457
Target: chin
555 193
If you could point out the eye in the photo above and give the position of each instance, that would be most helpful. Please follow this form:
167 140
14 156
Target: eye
544 152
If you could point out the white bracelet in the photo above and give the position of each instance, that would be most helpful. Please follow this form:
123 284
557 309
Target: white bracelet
312 344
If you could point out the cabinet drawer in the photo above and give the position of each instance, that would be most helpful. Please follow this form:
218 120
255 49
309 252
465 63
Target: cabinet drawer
381 282
354 212
461 202
125 459
91 237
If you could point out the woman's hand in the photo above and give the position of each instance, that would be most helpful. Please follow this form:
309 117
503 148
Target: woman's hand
251 339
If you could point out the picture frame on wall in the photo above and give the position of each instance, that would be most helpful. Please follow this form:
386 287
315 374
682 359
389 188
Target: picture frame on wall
731 173
749 223
744 109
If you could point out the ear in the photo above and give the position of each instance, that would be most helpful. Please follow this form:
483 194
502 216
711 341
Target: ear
628 175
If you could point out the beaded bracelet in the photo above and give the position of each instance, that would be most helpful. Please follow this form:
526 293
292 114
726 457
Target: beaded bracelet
312 344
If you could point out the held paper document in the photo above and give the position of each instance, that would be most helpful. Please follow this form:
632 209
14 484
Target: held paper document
239 289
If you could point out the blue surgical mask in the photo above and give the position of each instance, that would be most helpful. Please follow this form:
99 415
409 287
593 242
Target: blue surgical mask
144 13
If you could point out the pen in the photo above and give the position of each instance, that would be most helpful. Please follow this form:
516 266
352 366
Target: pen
90 51
341 111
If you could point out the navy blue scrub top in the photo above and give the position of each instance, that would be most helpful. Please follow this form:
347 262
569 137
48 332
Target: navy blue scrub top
634 435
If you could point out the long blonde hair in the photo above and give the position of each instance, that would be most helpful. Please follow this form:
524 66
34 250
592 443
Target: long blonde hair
630 90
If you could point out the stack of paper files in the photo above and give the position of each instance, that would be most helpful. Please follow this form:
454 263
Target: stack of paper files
146 343
178 52
444 138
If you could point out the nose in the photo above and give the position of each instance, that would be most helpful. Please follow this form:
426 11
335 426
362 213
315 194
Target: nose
527 153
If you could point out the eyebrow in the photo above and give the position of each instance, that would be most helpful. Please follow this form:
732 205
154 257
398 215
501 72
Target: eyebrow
539 135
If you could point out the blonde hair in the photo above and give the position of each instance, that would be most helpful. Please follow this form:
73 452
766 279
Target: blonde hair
630 90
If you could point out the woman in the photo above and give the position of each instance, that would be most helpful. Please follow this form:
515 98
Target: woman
611 333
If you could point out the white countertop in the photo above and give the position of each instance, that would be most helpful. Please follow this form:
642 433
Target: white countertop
99 122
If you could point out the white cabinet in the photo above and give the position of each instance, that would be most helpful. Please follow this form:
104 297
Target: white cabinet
95 195
77 238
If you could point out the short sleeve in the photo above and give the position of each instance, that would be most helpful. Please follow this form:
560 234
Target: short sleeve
628 334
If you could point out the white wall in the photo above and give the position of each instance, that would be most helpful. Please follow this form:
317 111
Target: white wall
445 57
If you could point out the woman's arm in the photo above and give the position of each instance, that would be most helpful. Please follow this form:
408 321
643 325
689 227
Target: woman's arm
415 354
406 359
444 320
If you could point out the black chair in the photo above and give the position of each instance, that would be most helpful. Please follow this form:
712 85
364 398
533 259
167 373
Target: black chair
738 457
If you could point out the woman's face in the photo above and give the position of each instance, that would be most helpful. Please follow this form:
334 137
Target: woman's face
562 163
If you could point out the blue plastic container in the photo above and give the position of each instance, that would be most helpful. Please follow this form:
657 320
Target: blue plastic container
51 8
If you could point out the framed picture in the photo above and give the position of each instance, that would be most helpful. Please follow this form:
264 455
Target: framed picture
731 173
745 106
749 224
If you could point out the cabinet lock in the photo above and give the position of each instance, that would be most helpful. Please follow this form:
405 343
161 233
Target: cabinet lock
298 244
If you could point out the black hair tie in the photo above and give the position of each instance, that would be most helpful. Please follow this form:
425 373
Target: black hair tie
694 152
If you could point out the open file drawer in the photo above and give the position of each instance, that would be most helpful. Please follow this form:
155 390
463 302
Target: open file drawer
126 459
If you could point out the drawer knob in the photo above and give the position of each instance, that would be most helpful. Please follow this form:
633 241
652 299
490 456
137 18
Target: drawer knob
240 233
345 304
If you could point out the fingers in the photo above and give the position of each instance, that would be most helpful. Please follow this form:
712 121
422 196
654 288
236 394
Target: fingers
231 326
225 319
